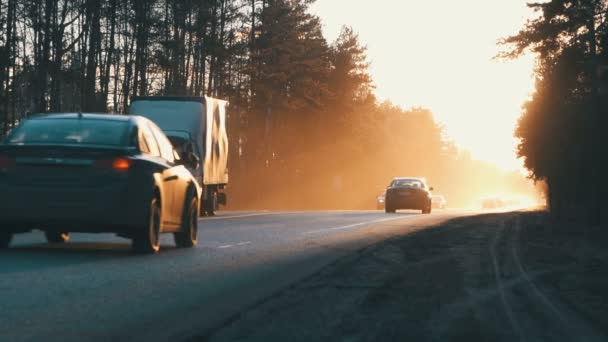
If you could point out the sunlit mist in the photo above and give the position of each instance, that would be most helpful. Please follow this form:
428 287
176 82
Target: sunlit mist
439 55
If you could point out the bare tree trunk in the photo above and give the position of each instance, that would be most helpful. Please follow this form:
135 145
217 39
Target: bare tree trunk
213 42
105 77
43 66
141 51
126 85
190 31
221 51
58 53
8 62
89 88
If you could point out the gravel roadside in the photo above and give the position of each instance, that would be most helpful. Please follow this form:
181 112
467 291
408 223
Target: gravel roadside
494 277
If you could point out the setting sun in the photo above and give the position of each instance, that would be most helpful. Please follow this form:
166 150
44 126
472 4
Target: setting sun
441 57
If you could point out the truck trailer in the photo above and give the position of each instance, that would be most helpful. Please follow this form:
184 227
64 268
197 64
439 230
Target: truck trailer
196 127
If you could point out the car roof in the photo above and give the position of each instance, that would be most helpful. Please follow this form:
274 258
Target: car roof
94 116
199 99
422 179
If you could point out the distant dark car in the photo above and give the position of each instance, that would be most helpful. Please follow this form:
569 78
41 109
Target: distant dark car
438 202
408 193
94 173
380 200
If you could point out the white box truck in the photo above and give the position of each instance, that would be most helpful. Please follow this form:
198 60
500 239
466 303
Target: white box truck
197 127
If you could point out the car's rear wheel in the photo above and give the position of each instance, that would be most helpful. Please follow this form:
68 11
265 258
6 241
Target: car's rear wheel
5 239
427 210
57 237
188 236
147 240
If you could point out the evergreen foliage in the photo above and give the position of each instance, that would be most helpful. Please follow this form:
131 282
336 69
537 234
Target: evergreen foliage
306 129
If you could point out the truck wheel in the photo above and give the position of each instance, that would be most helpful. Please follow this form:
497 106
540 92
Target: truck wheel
188 236
202 208
212 204
5 239
57 237
147 240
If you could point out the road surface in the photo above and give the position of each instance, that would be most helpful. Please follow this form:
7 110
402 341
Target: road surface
495 277
95 288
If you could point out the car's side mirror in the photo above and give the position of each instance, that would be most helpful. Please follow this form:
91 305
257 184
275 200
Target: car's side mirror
192 160
189 160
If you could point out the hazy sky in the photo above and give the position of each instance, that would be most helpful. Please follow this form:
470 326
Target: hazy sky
438 54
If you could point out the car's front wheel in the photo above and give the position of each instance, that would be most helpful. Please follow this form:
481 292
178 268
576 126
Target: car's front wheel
57 237
147 240
188 236
5 239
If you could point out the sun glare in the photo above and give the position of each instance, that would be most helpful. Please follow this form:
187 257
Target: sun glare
441 57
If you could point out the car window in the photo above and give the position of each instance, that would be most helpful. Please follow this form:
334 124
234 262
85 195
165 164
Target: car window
73 131
166 149
411 183
133 140
148 144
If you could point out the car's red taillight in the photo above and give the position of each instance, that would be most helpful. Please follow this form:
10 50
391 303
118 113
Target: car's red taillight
6 162
116 164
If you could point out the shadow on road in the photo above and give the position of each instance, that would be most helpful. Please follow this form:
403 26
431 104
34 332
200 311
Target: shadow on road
43 256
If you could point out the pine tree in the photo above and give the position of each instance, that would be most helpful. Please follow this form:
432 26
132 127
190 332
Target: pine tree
562 125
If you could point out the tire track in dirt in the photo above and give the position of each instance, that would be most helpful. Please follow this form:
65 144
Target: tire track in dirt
569 322
506 305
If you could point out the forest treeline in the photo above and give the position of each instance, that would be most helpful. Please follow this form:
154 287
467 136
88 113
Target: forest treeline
563 127
305 128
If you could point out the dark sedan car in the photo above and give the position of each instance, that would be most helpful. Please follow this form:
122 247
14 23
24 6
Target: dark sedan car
94 173
408 193
438 202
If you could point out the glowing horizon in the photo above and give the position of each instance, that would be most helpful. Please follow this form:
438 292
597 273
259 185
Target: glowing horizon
442 59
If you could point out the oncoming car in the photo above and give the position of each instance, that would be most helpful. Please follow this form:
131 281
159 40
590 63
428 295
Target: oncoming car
438 202
380 200
491 203
408 193
94 173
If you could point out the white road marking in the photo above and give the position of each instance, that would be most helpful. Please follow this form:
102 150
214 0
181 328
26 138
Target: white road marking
240 244
350 226
237 216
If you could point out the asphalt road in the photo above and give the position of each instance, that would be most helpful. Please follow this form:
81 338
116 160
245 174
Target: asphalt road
95 288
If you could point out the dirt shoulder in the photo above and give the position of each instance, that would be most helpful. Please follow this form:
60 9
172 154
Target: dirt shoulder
495 277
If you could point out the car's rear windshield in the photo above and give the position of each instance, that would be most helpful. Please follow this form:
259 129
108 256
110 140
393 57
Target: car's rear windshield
72 131
407 183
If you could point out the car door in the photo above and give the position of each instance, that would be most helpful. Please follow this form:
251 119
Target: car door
180 176
151 148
